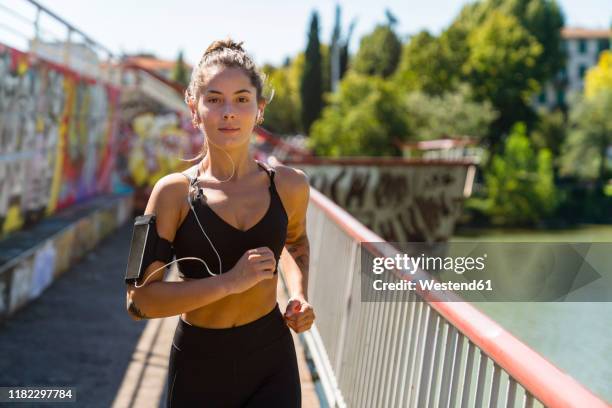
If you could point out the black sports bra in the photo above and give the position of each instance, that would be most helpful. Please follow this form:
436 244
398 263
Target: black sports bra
230 242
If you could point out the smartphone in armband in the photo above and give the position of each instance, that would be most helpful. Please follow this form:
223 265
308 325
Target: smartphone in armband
144 241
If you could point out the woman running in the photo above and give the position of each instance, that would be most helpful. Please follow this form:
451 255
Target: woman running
233 217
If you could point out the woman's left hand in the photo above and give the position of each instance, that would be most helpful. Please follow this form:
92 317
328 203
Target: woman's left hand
299 314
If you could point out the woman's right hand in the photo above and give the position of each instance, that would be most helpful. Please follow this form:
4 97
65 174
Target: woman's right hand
254 266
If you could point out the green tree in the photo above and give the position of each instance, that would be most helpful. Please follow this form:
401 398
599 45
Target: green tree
454 42
282 114
455 52
550 131
502 53
344 51
544 20
436 64
179 71
326 72
452 113
341 43
362 118
584 153
520 183
379 52
311 84
426 65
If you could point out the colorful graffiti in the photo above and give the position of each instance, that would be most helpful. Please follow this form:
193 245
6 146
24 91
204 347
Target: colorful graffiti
401 203
57 138
157 144
154 145
29 273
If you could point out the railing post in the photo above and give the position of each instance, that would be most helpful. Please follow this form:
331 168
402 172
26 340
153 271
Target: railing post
467 382
36 39
355 261
67 47
480 380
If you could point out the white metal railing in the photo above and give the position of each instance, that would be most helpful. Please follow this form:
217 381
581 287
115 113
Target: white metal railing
157 90
31 27
419 351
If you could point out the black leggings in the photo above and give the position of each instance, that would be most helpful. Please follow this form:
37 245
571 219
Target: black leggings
252 365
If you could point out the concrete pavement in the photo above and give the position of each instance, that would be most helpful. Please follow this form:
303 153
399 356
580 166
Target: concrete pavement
78 334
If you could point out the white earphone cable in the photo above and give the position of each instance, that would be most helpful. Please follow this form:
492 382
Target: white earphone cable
162 267
199 224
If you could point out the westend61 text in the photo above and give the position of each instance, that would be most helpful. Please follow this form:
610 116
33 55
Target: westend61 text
478 285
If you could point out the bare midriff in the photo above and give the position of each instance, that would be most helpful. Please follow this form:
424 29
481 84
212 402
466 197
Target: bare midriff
237 309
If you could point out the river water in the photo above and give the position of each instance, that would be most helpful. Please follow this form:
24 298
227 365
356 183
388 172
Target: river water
574 336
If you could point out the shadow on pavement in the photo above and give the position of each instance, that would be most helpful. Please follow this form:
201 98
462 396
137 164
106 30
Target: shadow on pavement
77 333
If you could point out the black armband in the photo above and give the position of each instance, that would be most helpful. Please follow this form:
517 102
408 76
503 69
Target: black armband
146 246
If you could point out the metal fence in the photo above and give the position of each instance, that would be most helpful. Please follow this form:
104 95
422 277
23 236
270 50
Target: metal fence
417 352
28 26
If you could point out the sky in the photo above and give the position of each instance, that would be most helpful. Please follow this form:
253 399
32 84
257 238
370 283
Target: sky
271 30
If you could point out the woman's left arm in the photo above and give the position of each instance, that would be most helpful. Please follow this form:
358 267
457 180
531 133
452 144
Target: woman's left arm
295 257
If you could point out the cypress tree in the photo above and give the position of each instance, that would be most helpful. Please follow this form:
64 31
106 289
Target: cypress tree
179 72
311 83
344 52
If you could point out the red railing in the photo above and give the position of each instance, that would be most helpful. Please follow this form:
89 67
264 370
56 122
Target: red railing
538 376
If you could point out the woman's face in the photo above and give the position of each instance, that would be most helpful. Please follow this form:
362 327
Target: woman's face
227 107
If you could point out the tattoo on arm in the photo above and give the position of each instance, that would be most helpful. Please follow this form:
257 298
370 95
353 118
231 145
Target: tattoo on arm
135 311
300 250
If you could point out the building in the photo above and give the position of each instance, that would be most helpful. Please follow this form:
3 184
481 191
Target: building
582 47
150 63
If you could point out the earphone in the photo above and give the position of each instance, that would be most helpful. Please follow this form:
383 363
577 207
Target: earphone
189 200
198 196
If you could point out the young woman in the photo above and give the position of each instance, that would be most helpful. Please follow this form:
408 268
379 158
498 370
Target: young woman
232 346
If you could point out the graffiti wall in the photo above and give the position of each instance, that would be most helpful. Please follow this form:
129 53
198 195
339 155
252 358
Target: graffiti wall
155 144
57 138
28 273
402 202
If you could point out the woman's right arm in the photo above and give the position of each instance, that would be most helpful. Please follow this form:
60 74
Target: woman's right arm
163 299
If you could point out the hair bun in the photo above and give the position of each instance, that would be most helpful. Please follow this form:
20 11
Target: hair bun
220 45
226 53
